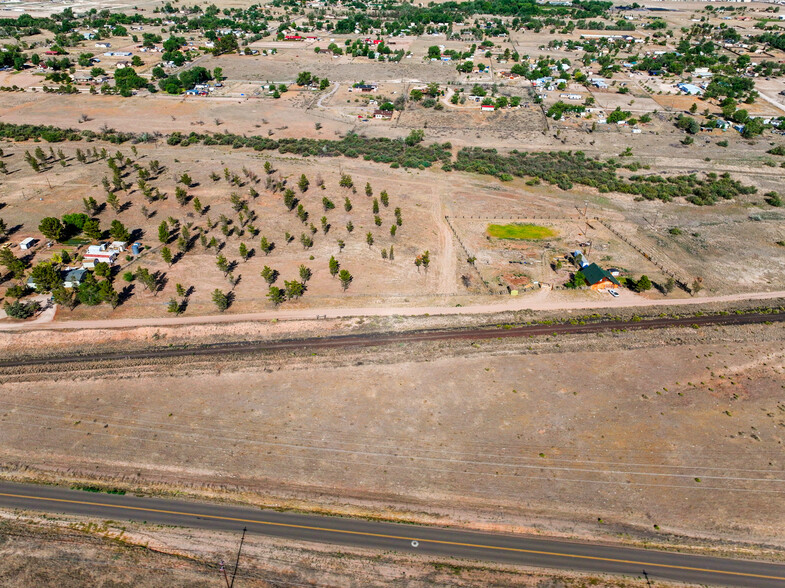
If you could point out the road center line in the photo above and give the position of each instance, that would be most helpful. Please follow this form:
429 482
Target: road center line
384 536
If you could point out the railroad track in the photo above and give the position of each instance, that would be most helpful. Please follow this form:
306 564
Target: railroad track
381 339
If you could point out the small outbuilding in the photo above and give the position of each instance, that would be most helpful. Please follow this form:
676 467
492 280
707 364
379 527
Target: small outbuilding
101 252
28 243
580 259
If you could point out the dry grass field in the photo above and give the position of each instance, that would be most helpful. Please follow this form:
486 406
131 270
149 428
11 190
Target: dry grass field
651 436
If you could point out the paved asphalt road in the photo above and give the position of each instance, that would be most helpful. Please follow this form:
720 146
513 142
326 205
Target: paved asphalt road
376 339
433 541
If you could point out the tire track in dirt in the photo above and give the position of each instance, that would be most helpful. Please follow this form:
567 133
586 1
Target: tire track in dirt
448 266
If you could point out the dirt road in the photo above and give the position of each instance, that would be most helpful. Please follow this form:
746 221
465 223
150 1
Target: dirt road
773 102
448 266
539 301
327 96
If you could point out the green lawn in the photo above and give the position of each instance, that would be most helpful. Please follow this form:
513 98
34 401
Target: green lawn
518 231
77 241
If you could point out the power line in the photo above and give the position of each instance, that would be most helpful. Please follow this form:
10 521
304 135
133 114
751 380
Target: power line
142 424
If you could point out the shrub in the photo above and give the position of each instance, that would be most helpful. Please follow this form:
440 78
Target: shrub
21 310
773 199
578 280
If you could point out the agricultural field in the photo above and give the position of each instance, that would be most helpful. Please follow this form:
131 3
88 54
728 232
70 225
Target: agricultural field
290 241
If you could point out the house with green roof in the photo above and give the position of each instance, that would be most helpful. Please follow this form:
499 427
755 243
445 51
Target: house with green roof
598 278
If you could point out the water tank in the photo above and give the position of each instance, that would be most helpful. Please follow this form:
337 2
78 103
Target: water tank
136 248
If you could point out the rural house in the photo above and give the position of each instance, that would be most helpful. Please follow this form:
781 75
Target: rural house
74 278
598 278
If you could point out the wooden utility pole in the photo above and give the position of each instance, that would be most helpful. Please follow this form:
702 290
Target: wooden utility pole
237 562
585 218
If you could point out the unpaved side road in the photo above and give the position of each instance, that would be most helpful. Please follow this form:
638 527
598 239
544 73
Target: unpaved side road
541 301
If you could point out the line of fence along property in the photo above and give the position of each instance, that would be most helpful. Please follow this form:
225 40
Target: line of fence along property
517 217
469 256
658 259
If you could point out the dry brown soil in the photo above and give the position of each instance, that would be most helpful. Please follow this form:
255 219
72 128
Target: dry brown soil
681 429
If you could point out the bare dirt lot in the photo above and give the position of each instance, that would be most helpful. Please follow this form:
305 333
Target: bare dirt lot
633 436
497 259
289 61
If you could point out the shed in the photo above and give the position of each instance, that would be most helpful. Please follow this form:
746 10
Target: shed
28 243
91 249
580 258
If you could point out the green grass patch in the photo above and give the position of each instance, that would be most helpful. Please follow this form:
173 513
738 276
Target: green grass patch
77 241
518 231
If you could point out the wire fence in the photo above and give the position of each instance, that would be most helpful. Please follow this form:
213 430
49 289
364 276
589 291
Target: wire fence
659 260
469 256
